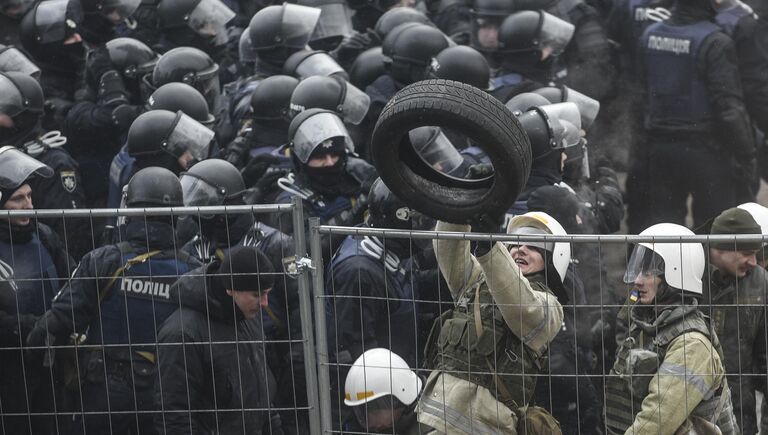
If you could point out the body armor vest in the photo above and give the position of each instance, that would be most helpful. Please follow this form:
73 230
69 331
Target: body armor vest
497 355
138 301
678 100
34 273
399 289
627 386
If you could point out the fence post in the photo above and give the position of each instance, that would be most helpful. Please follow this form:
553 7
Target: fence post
321 339
305 311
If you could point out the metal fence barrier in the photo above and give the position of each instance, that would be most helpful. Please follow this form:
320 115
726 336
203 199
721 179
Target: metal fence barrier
321 350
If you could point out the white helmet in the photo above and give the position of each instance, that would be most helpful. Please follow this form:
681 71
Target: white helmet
759 214
537 222
377 373
683 262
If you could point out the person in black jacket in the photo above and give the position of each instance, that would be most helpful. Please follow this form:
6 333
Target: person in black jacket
213 372
114 303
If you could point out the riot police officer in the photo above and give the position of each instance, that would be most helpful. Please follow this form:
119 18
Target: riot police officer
22 108
699 136
49 33
119 296
36 260
462 64
528 45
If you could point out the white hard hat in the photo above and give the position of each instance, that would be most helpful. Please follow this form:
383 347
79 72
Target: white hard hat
378 373
683 262
537 222
759 214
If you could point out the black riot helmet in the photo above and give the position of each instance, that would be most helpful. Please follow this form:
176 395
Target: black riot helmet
318 129
212 182
287 26
367 67
205 18
487 16
379 5
191 66
131 57
16 167
408 52
462 64
45 29
15 9
308 63
159 132
118 10
533 32
334 24
21 99
385 210
154 187
331 93
397 16
271 100
13 60
551 128
180 96
588 107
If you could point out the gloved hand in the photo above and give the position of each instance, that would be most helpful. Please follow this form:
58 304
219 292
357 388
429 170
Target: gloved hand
479 170
485 224
258 193
98 63
236 152
352 46
112 91
124 115
257 167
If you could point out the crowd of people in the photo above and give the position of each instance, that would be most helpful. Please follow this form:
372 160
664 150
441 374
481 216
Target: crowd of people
157 324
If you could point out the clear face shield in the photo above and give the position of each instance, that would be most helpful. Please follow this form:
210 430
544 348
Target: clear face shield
51 20
577 157
188 135
199 193
438 151
316 130
484 34
209 19
11 59
588 107
118 10
318 64
565 122
355 104
643 261
247 53
335 22
555 33
298 25
207 82
11 100
16 167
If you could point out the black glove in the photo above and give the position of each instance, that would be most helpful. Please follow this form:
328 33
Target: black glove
258 193
98 63
112 90
236 152
479 170
352 46
257 167
124 115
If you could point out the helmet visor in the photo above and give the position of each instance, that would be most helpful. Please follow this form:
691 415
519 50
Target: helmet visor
123 8
11 100
643 261
247 54
316 130
11 59
209 19
16 167
298 24
565 122
189 135
335 21
555 33
578 156
531 231
438 152
51 20
318 64
355 104
588 107
198 193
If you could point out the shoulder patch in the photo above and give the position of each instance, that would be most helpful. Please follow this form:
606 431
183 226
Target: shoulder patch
68 180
